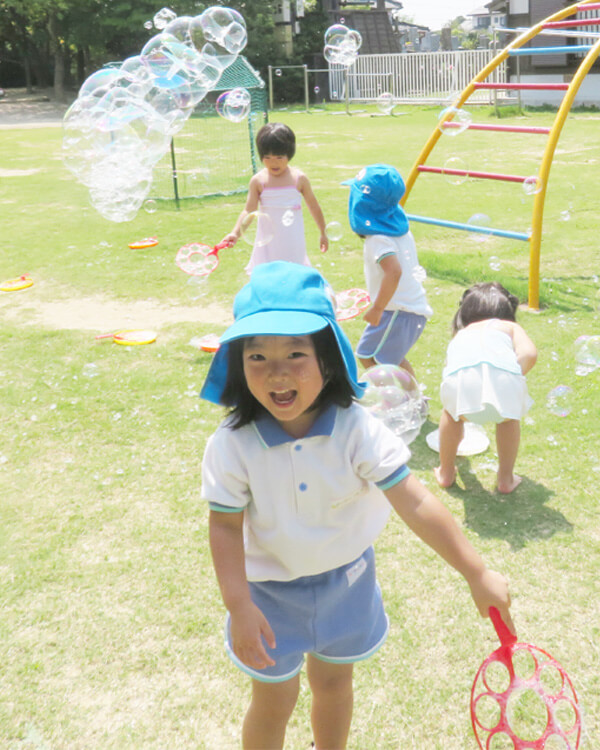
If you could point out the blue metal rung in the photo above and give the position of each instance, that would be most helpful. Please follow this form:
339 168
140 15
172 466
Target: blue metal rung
550 50
524 237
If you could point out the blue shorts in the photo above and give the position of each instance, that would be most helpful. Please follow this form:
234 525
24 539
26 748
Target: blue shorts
389 342
336 616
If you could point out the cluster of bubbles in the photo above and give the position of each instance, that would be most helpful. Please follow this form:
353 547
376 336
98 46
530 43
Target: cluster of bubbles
393 396
123 119
341 45
559 400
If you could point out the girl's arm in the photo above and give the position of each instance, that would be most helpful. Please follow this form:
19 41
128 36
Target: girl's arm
435 525
525 349
392 271
304 187
251 206
248 624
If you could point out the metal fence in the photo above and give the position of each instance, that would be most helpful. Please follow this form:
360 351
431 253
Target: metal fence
416 77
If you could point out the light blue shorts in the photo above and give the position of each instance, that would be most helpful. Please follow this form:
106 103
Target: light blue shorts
389 342
336 616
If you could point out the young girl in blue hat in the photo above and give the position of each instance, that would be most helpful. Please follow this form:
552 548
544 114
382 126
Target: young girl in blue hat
399 309
300 481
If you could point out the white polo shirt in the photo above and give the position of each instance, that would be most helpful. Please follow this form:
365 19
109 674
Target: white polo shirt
311 504
410 294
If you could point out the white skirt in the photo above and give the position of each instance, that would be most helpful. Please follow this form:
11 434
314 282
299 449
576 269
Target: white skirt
484 393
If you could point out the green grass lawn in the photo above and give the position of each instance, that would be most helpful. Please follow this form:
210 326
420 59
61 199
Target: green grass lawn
110 616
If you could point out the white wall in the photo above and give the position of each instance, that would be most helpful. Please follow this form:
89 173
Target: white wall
588 94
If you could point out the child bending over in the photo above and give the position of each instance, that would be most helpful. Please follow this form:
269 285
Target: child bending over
484 379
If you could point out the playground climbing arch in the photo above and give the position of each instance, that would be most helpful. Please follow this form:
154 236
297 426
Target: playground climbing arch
454 117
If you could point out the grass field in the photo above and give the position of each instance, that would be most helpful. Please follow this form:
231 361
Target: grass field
110 617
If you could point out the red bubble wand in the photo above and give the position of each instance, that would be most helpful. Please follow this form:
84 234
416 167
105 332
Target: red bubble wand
197 259
522 698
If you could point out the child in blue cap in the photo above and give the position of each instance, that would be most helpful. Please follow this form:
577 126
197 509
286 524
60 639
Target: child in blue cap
399 309
300 480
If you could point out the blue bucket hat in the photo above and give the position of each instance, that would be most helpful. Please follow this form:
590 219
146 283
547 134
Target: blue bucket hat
281 299
373 203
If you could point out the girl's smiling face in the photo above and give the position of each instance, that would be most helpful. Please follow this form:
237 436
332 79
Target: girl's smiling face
275 165
284 376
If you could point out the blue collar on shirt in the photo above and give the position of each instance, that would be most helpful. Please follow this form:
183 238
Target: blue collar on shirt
272 434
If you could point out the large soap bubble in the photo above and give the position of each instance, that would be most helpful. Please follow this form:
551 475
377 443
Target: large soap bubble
587 354
453 121
123 119
393 396
234 105
341 45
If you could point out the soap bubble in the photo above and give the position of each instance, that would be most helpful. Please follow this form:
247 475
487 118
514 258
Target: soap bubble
90 370
150 206
565 215
393 396
197 287
455 164
453 121
257 229
234 105
341 45
316 89
334 231
162 18
480 221
587 354
385 103
124 118
148 25
532 185
494 263
278 72
559 400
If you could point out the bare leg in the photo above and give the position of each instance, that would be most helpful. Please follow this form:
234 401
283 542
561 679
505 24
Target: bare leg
333 699
508 436
408 367
451 433
268 714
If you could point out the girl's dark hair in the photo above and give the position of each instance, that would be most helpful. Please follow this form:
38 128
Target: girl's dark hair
244 408
484 301
275 139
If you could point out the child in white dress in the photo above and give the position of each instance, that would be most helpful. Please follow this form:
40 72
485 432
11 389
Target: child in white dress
275 194
484 379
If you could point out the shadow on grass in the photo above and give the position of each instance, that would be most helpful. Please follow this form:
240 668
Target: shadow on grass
517 518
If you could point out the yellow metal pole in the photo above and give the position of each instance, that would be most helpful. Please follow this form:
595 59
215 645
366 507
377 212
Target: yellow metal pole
535 240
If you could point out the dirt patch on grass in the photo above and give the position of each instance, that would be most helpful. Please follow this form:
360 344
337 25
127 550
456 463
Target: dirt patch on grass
103 314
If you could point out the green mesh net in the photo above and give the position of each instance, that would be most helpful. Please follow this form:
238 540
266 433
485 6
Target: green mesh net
211 155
